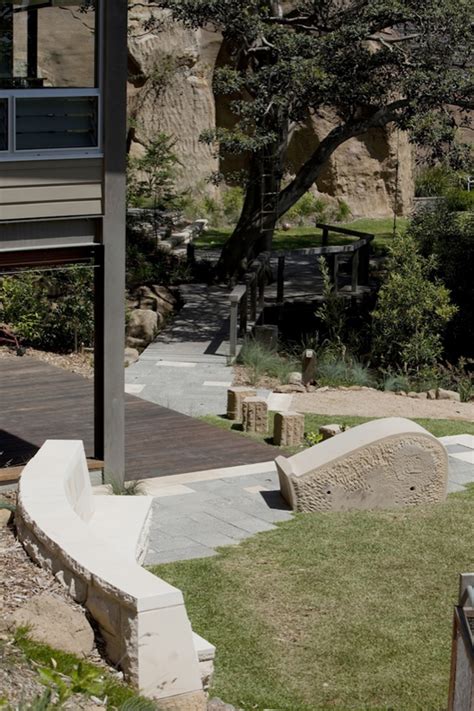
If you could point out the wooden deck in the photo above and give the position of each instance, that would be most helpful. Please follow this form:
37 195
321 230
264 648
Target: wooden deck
39 401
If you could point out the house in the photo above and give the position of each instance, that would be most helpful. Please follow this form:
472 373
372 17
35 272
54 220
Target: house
63 67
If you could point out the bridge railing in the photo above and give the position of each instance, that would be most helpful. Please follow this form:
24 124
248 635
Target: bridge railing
247 301
358 251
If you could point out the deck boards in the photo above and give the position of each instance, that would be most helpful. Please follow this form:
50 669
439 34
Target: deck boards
39 401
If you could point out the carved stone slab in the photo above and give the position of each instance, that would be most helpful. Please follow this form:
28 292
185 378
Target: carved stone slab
381 464
255 415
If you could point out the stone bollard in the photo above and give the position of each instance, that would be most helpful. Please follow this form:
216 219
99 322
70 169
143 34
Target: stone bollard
255 415
235 398
288 429
328 431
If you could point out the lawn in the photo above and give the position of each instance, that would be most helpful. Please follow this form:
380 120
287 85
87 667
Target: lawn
438 428
299 237
334 611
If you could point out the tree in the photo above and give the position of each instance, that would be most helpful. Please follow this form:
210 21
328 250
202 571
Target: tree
371 62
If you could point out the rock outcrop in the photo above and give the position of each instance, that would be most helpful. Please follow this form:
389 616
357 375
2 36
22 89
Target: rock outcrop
180 63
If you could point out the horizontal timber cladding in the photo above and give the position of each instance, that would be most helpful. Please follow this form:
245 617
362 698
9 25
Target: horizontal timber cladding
47 233
50 188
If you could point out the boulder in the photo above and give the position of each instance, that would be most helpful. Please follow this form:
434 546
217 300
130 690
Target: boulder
50 620
5 516
131 355
442 394
295 378
143 324
136 343
431 394
328 431
291 388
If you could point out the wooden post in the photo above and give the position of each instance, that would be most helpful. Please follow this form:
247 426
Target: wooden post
244 305
281 279
234 308
355 271
308 366
191 253
364 260
325 238
253 297
32 44
336 272
6 43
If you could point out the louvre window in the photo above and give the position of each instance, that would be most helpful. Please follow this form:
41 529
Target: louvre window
55 123
3 125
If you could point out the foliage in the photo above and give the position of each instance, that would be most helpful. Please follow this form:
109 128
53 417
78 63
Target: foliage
333 310
459 200
51 310
6 505
311 438
334 369
260 361
323 580
374 63
232 201
434 181
450 238
395 382
123 488
412 310
151 177
145 264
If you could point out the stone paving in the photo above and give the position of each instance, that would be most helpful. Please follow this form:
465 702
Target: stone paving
196 513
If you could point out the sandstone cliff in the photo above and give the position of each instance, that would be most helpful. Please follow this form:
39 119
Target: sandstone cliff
373 174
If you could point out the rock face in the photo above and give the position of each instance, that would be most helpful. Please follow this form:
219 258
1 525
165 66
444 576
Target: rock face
52 621
363 172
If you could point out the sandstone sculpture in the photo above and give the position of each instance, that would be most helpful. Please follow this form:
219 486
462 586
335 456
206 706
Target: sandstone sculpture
255 415
288 429
386 463
235 398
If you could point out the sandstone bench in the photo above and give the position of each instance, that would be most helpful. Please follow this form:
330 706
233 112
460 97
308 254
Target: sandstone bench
93 545
381 464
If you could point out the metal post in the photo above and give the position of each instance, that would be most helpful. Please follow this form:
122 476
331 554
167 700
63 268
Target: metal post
355 271
364 260
325 238
281 279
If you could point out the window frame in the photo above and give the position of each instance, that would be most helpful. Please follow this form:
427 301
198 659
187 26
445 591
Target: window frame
13 154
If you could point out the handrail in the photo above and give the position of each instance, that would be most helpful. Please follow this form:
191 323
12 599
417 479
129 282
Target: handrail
246 300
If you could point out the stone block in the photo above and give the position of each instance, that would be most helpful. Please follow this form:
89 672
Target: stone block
288 429
295 378
235 398
387 463
255 415
328 431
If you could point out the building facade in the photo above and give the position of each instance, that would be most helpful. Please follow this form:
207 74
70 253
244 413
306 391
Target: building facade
63 69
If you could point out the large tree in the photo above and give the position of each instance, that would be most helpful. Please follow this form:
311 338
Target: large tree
371 62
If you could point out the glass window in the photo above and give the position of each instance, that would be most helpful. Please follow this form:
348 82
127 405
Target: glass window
47 43
59 122
3 124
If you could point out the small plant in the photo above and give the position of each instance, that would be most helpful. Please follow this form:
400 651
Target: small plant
123 488
396 382
332 312
434 181
312 438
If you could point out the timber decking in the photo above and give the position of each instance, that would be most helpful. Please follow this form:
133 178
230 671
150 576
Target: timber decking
39 401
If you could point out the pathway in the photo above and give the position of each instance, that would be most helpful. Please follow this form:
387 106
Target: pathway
195 514
186 368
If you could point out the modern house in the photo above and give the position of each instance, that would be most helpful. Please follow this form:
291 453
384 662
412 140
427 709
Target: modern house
63 67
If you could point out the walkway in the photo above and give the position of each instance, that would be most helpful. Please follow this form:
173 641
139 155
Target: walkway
195 514
40 401
186 367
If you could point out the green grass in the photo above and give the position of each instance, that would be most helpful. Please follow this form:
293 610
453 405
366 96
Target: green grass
438 428
300 237
334 611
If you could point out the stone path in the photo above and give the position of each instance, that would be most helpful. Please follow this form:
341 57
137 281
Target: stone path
196 513
186 368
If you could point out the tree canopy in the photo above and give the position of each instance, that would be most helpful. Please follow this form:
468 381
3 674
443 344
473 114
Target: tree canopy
371 62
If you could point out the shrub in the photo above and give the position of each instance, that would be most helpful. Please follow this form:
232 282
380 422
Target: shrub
52 310
151 177
232 202
307 209
459 200
335 370
412 310
395 382
434 181
450 237
260 360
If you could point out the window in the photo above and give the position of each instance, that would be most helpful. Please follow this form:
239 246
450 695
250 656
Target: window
49 77
3 125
